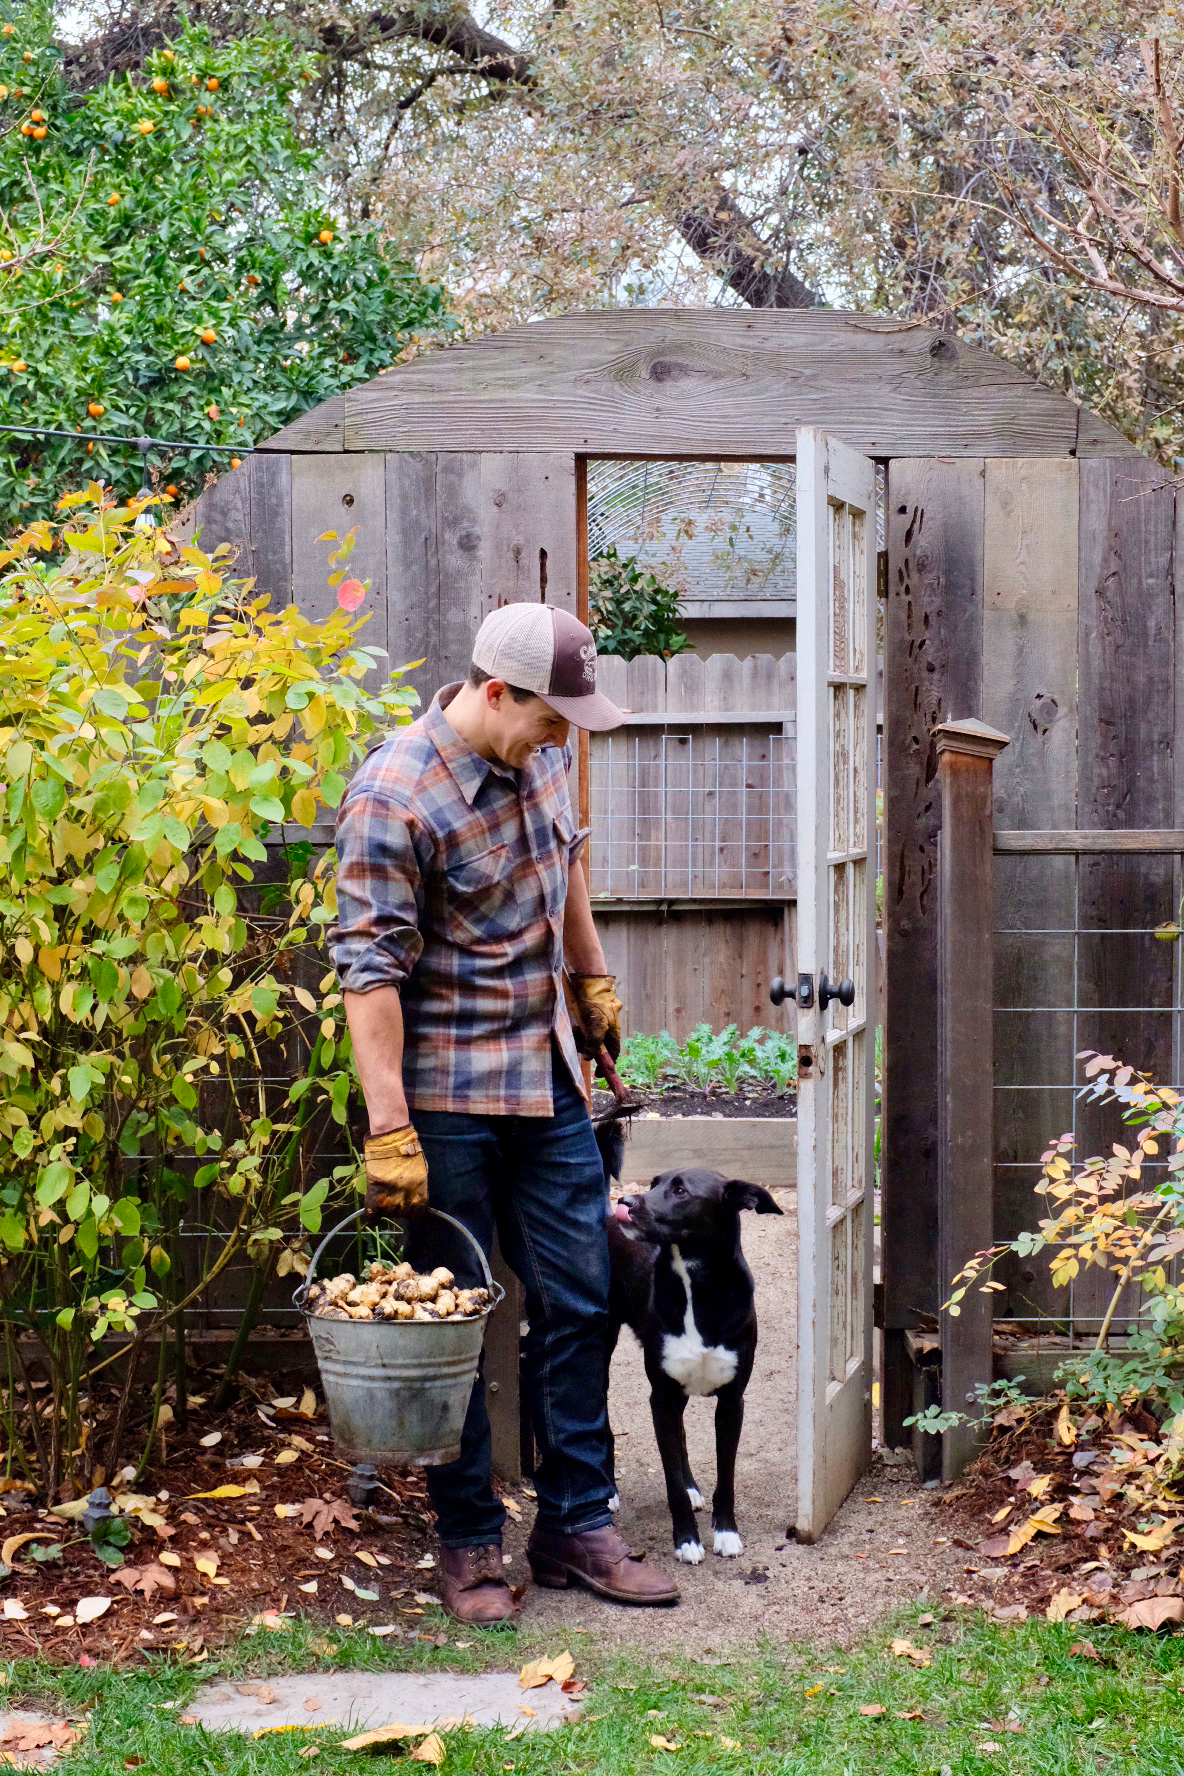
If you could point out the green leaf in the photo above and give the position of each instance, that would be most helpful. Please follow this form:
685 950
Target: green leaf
184 1092
332 788
79 1078
267 808
264 1003
65 1318
225 900
310 1205
112 701
54 1183
86 1238
216 755
78 1200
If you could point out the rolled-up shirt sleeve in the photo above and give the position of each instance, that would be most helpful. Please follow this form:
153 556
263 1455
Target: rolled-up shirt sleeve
376 940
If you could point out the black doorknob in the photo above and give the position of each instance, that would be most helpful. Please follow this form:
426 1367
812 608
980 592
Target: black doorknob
844 992
779 992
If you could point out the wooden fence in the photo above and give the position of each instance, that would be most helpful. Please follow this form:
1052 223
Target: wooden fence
692 851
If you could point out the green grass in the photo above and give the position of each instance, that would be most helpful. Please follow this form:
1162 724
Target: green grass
793 1712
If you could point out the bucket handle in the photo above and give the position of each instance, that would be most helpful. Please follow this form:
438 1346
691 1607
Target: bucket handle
495 1289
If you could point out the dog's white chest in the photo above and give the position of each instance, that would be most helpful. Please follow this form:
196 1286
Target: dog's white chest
697 1367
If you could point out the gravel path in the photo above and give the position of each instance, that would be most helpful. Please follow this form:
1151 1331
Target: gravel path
882 1549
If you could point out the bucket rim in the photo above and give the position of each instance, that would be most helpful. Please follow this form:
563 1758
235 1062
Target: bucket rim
494 1289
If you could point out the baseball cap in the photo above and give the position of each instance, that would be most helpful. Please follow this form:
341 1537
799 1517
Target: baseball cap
540 648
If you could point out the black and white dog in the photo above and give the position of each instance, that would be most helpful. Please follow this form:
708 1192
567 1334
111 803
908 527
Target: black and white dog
679 1280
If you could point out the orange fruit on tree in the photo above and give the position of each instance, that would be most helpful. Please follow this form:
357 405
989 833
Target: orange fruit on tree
5 255
95 409
182 362
208 336
113 200
236 462
40 132
325 236
213 411
26 128
146 126
36 116
212 84
159 85
172 491
117 295
3 91
18 364
9 31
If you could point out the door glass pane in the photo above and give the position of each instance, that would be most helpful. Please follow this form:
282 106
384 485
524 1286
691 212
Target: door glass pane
858 1220
840 617
859 958
840 824
858 595
840 1124
859 770
839 1291
839 961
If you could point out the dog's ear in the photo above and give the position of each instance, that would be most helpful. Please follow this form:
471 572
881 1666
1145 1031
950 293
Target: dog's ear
739 1194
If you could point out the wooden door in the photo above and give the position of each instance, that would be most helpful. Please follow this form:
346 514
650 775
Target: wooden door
836 944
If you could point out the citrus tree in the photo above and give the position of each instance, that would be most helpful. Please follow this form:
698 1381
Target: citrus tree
160 731
168 263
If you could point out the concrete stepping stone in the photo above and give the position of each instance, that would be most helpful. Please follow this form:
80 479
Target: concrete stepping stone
21 1728
364 1699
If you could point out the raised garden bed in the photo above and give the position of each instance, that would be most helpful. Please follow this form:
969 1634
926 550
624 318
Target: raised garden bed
747 1136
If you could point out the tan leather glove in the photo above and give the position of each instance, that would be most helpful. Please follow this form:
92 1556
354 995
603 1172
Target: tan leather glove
595 1013
396 1173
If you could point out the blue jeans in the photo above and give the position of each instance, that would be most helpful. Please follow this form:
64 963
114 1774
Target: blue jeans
539 1180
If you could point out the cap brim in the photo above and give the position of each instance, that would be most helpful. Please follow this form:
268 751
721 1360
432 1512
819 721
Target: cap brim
595 713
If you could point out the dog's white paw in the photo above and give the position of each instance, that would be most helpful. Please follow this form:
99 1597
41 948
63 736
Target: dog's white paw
614 1504
728 1543
696 1498
691 1553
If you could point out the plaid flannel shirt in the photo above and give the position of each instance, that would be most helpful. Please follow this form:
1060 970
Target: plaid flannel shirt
451 884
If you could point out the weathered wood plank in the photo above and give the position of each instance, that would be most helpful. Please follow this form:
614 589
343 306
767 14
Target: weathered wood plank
529 530
966 926
1127 778
433 564
712 382
933 672
1077 841
251 509
1030 668
336 493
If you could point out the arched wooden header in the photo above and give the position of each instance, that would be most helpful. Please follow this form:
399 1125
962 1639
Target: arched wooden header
706 382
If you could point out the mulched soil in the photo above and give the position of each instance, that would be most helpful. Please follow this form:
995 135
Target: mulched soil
1080 1562
263 1560
755 1100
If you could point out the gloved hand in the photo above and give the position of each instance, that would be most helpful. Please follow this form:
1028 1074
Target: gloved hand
396 1173
595 1013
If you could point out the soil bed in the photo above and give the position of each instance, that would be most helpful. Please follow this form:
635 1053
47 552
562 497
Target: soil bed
756 1100
261 1560
1082 1561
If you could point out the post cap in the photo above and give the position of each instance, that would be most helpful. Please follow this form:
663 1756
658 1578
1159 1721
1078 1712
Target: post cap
970 736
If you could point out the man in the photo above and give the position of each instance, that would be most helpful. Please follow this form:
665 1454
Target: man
459 911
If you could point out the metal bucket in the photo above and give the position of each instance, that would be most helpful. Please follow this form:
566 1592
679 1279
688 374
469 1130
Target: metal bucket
398 1390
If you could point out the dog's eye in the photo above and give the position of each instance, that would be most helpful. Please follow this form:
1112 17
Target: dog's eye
678 1189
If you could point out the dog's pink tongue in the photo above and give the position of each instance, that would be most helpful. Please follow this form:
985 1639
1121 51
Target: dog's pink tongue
621 1212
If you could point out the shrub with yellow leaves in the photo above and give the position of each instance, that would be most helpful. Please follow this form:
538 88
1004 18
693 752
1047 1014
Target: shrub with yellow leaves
162 732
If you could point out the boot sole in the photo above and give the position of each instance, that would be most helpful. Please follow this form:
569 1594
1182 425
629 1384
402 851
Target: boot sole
552 1575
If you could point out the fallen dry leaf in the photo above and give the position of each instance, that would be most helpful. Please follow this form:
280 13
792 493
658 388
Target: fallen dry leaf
210 1439
167 1559
1152 1612
1157 1539
1080 1512
430 1752
729 1744
262 1692
18 1541
324 1513
312 1703
388 1735
910 1714
1084 1649
919 1656
308 1404
146 1579
365 1557
89 1609
206 1563
24 1736
1064 1427
228 1491
660 1743
1062 1603
1039 1486
1005 1512
541 1671
873 1708
285 1456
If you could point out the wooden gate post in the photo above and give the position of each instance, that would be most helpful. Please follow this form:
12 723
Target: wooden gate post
966 751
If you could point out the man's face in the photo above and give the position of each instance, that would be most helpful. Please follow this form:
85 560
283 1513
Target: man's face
517 730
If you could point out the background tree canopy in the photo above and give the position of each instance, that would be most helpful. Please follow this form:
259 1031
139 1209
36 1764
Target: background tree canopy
171 263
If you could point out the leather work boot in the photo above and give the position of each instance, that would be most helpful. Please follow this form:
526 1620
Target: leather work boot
601 1560
473 1586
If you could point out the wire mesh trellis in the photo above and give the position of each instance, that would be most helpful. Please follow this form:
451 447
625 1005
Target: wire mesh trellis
693 814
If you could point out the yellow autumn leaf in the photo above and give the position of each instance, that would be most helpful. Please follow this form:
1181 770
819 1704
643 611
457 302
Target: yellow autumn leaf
308 1404
1066 1434
1045 1519
1021 1535
730 1744
430 1752
660 1743
1063 1602
541 1671
1156 1539
1039 1486
388 1735
285 1456
304 806
141 982
305 998
206 1563
366 1557
50 962
167 1559
1005 1512
228 1491
918 1656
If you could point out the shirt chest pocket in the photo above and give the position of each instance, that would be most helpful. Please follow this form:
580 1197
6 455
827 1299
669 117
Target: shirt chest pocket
555 869
479 903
